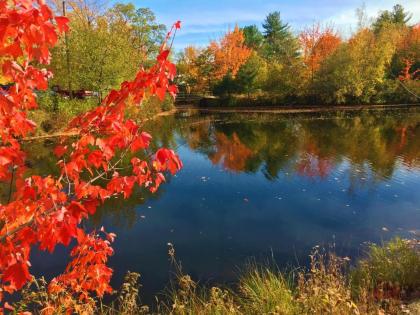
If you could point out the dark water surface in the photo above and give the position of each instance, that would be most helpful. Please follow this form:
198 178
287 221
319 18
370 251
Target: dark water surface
267 186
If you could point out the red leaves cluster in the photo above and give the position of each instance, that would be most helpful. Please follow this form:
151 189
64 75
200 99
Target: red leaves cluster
87 272
27 32
406 73
408 53
47 211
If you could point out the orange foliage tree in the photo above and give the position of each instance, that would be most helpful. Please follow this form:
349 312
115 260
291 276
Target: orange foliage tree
408 54
230 54
317 44
45 211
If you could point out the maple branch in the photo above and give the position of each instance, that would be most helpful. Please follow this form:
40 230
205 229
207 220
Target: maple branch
67 177
51 210
112 168
44 198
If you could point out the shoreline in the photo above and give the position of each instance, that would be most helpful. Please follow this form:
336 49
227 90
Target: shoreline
262 109
294 109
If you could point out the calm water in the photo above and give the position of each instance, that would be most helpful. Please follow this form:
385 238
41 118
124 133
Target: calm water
263 186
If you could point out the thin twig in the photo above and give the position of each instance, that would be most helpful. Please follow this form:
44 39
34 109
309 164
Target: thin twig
11 185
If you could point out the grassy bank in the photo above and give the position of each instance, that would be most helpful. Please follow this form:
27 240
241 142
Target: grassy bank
55 112
385 281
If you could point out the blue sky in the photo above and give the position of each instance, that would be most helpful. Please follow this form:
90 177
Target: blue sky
207 20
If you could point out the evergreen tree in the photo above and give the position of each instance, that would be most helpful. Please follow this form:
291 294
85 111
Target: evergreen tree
280 44
249 76
397 16
274 28
253 37
226 86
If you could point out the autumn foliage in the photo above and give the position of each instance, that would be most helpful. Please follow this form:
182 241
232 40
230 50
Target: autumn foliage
44 211
409 54
230 54
406 72
317 45
193 68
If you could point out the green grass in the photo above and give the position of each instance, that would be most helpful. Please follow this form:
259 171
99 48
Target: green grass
189 299
328 286
55 112
265 291
393 267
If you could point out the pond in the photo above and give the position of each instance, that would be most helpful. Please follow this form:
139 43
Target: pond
267 187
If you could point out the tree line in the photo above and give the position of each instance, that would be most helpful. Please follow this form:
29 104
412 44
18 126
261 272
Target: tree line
269 64
378 63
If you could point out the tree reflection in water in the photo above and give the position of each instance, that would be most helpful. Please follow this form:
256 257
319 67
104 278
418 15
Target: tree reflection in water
310 145
368 145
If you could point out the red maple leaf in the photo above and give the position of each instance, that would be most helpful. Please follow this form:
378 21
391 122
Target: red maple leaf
17 275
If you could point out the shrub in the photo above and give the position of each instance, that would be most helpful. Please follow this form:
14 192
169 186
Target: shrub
391 269
324 289
53 103
55 111
186 297
127 301
36 297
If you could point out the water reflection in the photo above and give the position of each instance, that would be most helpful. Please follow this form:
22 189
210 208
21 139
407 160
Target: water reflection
369 146
310 146
264 186
230 152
